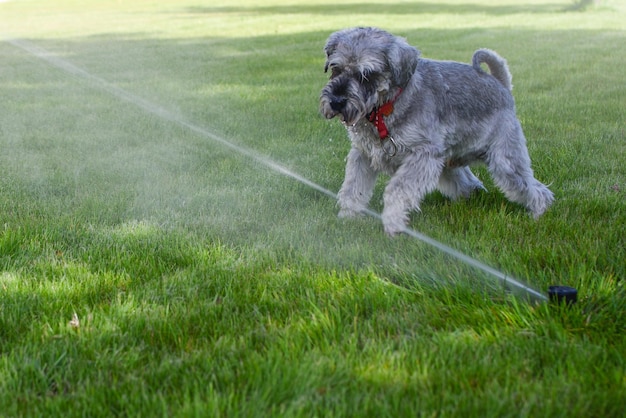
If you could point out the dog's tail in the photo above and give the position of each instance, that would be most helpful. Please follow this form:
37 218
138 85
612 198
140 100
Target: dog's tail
497 66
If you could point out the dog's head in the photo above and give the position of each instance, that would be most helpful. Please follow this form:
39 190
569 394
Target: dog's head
365 65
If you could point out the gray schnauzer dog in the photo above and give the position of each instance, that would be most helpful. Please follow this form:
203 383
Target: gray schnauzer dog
423 122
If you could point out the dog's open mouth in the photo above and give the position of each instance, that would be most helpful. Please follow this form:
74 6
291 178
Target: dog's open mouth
347 116
344 121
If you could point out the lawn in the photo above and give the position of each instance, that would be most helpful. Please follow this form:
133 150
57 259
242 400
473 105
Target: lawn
169 244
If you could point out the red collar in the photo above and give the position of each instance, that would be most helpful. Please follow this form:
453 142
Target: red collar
376 117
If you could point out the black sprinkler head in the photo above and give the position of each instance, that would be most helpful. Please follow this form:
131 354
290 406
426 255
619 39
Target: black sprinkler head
560 294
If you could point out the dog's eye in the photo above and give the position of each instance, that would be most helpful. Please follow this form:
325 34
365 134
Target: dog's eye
367 76
334 72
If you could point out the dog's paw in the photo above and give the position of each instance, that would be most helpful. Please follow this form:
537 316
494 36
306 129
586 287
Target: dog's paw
472 189
480 187
393 231
541 200
349 213
394 225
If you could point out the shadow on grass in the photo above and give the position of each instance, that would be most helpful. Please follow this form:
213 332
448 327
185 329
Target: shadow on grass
387 8
580 5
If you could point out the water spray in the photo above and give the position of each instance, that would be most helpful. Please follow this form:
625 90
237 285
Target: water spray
557 294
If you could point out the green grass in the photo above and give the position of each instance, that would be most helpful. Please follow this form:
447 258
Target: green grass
147 270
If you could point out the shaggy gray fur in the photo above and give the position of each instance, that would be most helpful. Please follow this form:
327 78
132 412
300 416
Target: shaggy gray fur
446 115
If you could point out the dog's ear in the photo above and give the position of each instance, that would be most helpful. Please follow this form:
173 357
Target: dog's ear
329 49
402 60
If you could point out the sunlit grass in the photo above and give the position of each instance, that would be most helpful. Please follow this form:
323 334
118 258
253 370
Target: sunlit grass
145 270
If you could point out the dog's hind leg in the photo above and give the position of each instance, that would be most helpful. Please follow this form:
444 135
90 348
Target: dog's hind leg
358 185
417 176
509 164
456 182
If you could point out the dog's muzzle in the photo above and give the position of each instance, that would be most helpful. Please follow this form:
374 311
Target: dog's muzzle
340 106
338 103
334 99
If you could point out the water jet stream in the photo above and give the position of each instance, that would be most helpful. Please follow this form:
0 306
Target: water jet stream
507 281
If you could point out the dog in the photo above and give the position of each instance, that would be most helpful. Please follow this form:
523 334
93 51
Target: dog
423 122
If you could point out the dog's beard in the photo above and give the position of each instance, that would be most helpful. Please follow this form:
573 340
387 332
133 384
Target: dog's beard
348 101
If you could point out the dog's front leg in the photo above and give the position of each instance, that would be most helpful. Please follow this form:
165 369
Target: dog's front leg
358 185
417 175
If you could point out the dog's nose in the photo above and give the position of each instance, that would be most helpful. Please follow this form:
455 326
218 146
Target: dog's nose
338 103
